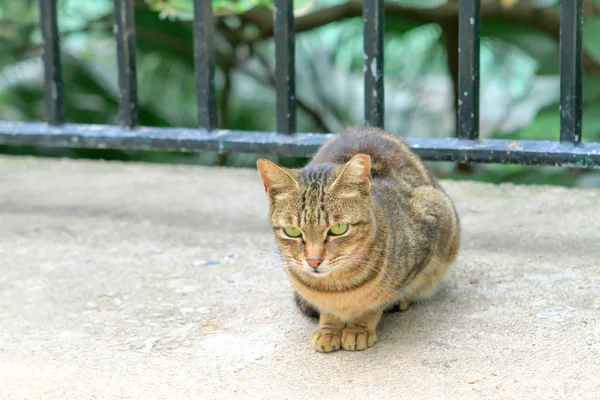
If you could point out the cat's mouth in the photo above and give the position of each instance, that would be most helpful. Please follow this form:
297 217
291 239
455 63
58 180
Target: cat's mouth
318 273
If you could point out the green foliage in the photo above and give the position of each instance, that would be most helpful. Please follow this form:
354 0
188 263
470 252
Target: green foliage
184 9
591 33
519 79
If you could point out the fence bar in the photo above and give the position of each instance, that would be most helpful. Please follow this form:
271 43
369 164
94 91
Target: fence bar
204 59
373 16
571 92
53 83
525 152
285 66
469 31
125 37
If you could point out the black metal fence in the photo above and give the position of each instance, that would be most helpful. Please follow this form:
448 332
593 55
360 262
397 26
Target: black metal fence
566 150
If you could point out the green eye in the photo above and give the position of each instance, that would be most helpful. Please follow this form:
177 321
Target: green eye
292 232
338 229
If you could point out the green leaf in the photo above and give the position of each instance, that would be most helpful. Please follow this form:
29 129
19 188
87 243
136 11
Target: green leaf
591 88
591 33
184 9
77 15
174 9
541 47
546 126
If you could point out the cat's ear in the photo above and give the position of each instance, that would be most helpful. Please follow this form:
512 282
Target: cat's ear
356 173
275 178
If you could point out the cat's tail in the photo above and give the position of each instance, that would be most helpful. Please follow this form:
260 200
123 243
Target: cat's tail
306 308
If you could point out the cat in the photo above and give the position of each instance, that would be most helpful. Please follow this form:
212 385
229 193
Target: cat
363 227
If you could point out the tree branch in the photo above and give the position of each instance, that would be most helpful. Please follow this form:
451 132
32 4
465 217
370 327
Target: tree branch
543 19
235 38
314 114
546 20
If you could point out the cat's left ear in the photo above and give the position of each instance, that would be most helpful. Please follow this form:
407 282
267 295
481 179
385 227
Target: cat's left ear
277 180
356 173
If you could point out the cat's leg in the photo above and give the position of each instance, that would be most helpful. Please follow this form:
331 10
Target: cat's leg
400 306
359 333
304 306
328 337
403 305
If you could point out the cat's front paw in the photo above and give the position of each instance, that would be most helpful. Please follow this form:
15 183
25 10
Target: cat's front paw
356 339
326 340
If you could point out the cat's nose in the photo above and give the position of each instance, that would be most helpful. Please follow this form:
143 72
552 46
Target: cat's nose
314 262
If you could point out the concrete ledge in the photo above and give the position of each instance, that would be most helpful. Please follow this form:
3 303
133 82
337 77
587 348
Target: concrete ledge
123 281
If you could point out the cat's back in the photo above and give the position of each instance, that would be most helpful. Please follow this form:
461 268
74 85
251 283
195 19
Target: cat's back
390 156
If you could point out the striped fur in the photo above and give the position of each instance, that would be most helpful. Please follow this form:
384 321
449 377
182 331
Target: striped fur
403 232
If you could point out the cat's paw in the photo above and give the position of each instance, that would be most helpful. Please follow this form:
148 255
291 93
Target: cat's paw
356 339
326 340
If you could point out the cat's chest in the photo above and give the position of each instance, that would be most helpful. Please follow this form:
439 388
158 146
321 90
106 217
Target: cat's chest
347 304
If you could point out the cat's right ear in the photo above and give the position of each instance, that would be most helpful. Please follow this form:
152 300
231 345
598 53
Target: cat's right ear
355 176
277 180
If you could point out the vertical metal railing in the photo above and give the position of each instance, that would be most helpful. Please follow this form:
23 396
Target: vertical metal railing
125 38
469 28
469 149
53 82
374 21
571 54
204 60
285 66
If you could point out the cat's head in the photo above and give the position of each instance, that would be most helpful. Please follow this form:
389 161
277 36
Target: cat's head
322 214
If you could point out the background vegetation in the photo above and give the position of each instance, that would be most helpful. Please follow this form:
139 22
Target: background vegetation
519 60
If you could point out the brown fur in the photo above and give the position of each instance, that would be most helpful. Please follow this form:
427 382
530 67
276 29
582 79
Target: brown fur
403 233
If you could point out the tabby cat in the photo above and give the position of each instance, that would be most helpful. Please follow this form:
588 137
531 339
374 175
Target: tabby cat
362 228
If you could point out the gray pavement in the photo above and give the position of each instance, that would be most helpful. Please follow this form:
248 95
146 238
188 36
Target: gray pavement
137 281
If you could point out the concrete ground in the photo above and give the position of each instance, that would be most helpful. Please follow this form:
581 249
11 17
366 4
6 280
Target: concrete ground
133 281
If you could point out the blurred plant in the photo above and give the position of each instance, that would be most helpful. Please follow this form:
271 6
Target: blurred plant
519 59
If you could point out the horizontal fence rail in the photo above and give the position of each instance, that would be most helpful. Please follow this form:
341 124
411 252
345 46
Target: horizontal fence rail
529 152
568 149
